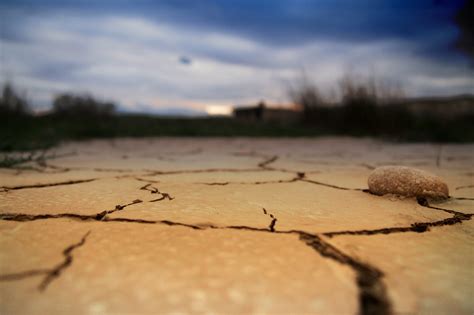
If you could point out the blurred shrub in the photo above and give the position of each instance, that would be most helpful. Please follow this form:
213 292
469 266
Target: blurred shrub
359 101
71 105
365 107
306 95
11 103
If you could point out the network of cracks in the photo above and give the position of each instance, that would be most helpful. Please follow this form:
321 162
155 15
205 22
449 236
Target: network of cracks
372 291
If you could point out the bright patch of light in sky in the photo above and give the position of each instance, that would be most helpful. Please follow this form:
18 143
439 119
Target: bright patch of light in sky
164 66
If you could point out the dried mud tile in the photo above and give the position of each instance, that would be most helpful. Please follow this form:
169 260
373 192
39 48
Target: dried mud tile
178 269
82 199
425 273
33 249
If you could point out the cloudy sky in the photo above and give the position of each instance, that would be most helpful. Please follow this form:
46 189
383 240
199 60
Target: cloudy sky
204 56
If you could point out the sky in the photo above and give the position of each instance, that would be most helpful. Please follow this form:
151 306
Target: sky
203 57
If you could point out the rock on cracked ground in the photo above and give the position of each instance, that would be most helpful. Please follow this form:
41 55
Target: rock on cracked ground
234 226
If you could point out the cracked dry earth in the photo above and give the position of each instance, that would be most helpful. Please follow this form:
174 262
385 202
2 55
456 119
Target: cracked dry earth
234 226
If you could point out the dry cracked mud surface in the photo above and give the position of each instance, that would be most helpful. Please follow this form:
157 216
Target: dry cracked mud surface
238 226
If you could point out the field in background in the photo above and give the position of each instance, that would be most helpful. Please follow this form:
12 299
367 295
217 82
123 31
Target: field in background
30 132
362 112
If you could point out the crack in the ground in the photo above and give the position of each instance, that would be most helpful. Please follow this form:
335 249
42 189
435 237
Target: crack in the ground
152 189
417 227
464 187
207 170
49 274
271 226
299 176
267 162
261 166
37 157
424 203
462 198
115 170
372 293
264 165
68 258
56 169
217 183
373 298
43 167
147 180
61 169
330 185
101 215
418 198
23 274
70 182
163 197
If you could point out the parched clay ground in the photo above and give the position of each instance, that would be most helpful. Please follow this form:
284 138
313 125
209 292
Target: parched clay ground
234 226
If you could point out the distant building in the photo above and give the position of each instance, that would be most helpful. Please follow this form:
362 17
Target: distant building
263 113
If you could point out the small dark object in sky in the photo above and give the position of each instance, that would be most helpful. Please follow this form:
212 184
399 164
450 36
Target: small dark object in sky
185 60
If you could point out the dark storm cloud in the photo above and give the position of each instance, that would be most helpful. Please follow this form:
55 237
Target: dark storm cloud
225 52
282 22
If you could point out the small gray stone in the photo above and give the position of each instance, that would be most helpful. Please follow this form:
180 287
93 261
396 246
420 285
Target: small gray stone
408 182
